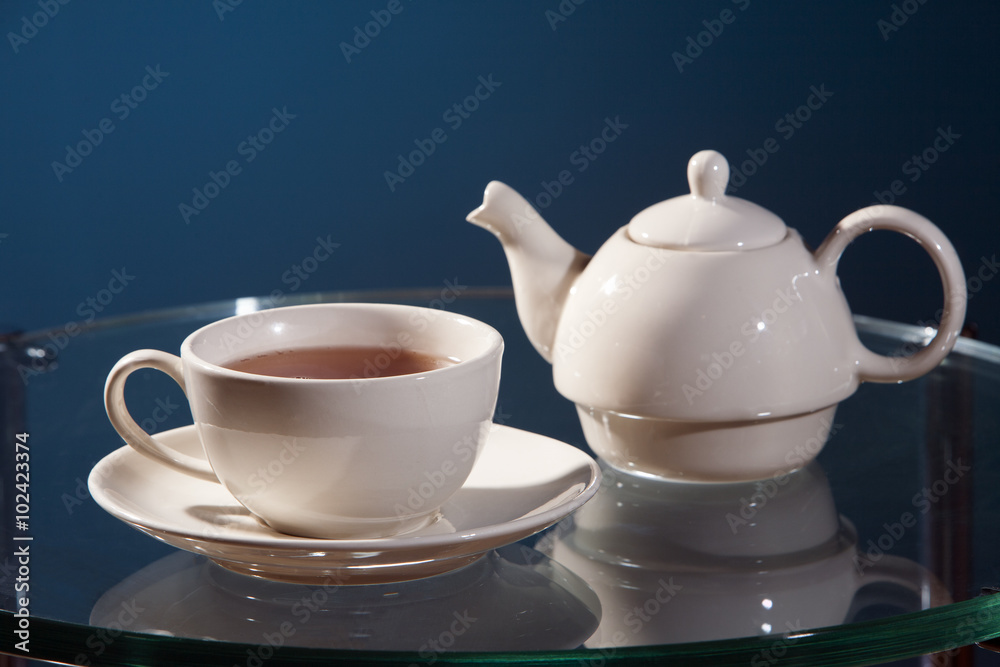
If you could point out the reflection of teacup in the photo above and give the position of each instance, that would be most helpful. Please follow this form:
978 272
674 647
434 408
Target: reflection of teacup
352 451
679 562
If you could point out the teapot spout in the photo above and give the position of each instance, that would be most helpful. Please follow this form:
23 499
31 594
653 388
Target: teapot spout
543 266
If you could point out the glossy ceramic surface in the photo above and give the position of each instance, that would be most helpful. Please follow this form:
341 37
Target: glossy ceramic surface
742 559
705 313
360 457
520 484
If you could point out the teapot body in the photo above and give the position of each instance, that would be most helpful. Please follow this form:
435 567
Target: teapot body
705 336
707 366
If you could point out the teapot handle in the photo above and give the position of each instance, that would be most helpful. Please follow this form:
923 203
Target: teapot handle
874 367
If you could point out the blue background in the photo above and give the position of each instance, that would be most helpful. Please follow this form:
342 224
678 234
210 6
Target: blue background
323 176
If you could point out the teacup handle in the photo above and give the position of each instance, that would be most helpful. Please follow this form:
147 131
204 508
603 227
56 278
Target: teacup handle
876 367
131 432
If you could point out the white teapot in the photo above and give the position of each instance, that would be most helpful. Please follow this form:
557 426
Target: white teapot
704 340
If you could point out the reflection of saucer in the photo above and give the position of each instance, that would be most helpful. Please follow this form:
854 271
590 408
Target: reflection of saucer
521 484
512 599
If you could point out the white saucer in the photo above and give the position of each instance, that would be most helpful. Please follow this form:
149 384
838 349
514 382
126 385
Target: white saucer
521 484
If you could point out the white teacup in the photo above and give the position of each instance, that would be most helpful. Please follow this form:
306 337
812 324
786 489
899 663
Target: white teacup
359 457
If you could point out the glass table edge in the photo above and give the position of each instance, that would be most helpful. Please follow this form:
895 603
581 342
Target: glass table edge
929 631
908 333
229 307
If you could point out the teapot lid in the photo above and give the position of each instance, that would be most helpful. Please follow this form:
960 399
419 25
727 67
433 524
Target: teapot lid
706 219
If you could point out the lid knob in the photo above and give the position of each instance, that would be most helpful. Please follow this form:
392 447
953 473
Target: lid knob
707 220
708 175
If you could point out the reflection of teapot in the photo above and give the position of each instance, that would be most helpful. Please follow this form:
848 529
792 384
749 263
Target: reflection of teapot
679 562
704 332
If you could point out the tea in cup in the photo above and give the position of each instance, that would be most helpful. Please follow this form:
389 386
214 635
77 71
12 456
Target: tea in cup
340 421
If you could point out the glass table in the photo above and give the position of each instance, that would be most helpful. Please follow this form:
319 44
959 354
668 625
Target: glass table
883 549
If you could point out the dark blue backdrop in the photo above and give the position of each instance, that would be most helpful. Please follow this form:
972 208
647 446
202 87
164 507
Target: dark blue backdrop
165 153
